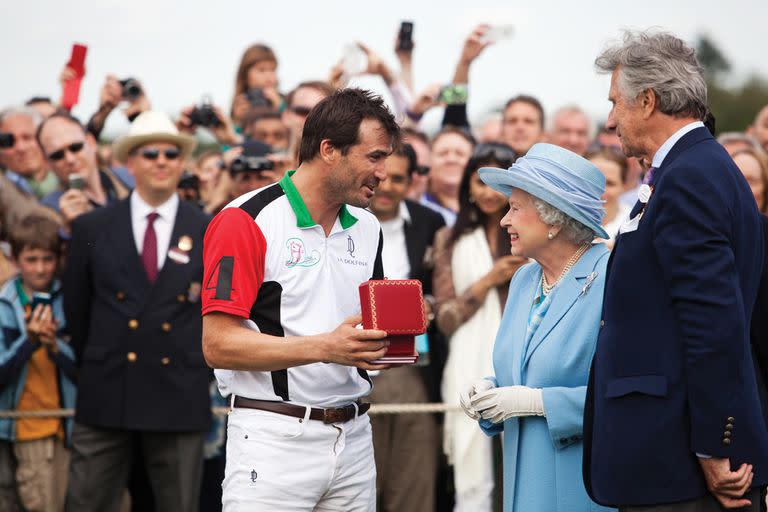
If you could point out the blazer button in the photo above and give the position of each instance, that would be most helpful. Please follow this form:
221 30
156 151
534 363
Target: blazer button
730 419
166 327
133 324
181 298
729 427
602 323
165 361
120 296
726 440
131 357
727 433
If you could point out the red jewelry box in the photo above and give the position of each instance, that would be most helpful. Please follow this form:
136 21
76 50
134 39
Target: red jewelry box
395 306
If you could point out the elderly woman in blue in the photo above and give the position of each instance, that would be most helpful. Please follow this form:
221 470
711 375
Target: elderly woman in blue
548 331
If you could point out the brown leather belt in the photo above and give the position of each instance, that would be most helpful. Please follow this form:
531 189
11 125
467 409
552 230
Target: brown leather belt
332 415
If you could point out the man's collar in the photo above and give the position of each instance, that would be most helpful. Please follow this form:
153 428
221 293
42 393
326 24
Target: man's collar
140 209
404 212
665 148
299 207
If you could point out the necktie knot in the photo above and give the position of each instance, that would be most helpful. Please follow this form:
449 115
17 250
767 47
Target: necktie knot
152 217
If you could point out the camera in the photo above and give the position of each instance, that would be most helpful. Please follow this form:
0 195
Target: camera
189 181
257 99
250 164
7 140
131 89
203 115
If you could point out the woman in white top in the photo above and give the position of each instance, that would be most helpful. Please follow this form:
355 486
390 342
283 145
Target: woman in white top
613 165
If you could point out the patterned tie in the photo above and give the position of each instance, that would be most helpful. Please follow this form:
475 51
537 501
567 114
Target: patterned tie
149 249
648 178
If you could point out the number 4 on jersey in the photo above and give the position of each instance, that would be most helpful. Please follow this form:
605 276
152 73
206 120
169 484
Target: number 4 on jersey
221 278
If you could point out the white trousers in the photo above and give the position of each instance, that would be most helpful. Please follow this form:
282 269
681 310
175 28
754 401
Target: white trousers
276 462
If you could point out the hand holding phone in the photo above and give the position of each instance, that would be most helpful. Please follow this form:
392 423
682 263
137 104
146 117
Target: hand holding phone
453 94
40 325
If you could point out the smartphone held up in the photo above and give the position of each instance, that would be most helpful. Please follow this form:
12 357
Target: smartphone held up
496 33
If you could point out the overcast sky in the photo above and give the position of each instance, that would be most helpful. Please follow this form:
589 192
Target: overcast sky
182 50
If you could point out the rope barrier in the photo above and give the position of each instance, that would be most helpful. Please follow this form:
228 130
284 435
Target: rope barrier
423 408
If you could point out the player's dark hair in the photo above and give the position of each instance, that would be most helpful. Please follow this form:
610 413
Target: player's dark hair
337 119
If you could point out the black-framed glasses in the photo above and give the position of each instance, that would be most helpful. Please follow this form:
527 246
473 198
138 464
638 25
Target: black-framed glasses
154 153
495 151
73 148
301 111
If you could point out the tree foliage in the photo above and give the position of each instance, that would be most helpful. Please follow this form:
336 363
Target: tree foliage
734 106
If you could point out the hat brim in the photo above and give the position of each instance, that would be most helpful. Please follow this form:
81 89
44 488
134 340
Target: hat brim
123 146
504 180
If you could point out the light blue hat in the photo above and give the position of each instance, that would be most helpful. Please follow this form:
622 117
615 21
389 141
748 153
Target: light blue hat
559 177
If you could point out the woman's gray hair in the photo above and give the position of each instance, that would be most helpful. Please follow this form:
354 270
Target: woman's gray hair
572 229
663 63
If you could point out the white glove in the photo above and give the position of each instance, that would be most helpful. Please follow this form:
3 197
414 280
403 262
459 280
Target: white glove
499 404
465 396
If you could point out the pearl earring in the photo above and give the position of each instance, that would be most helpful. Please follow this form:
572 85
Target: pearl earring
550 235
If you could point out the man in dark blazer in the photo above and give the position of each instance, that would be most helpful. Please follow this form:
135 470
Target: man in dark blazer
406 445
673 420
133 283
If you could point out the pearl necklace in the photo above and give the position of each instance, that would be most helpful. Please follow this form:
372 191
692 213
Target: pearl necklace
546 288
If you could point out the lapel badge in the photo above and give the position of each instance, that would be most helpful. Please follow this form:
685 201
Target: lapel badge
185 243
193 294
178 256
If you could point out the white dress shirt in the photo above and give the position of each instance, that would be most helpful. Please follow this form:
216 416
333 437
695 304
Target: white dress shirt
163 223
394 254
665 148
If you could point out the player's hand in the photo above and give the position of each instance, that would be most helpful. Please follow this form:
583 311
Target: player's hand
350 346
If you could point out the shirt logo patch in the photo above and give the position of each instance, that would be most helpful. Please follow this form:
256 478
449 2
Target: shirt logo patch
298 256
350 246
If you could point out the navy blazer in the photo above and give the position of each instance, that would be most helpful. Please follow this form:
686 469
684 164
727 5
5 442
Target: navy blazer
138 344
673 374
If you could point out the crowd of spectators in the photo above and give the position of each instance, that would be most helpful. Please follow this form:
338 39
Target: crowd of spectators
443 223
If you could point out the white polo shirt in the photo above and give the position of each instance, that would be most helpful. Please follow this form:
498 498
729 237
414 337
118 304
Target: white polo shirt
267 260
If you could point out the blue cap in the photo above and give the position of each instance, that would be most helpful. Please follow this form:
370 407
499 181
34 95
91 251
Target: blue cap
559 177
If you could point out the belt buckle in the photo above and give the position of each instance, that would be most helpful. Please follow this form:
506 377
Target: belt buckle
335 415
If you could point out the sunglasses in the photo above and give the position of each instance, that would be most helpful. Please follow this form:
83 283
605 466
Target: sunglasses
301 111
7 140
153 154
499 153
72 148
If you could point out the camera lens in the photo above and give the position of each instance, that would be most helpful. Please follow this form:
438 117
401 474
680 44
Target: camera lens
131 89
237 165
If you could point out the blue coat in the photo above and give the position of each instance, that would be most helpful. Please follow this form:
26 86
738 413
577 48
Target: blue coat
542 455
673 374
15 352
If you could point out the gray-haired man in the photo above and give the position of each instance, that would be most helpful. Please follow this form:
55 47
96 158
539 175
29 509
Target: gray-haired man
672 420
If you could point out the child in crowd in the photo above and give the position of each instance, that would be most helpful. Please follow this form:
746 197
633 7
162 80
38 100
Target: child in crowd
36 372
